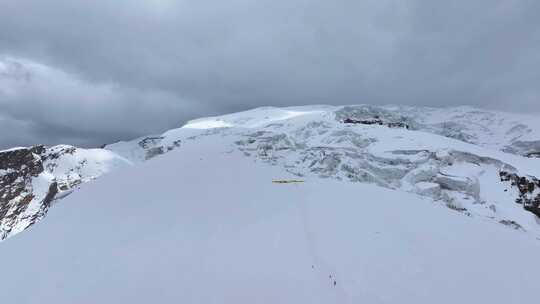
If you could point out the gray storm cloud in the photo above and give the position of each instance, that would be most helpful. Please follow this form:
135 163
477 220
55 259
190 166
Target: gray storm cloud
90 72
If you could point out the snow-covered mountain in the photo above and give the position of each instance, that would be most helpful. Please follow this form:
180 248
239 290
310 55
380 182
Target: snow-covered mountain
296 205
477 162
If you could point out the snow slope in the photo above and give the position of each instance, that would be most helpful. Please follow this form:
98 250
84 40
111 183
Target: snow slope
205 224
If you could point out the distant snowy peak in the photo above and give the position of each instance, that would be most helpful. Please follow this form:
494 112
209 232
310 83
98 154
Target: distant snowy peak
32 178
480 163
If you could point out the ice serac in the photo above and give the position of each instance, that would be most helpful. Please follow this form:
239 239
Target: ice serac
32 178
453 156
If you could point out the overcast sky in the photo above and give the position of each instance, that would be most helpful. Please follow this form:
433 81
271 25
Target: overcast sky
92 72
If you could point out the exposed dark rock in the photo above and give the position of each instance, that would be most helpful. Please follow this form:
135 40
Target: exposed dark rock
529 190
154 147
18 167
363 122
149 142
512 224
370 115
533 154
57 153
376 121
153 152
46 203
22 160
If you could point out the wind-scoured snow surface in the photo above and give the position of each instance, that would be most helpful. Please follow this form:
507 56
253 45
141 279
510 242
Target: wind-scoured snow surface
394 207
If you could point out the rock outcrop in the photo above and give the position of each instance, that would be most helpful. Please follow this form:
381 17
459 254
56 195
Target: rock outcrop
32 178
529 190
376 121
18 169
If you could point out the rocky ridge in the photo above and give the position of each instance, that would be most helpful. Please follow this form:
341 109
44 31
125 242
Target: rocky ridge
31 179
